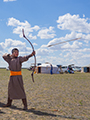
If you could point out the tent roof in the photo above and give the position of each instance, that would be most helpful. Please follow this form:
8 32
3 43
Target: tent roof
46 65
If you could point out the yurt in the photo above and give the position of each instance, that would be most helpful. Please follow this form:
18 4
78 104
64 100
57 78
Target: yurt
85 68
45 69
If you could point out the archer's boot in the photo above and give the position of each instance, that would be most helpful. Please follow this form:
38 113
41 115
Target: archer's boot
9 102
25 104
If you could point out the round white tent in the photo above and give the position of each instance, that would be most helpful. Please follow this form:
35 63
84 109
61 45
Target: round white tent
45 68
86 69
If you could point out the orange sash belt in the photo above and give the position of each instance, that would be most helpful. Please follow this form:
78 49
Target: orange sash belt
14 73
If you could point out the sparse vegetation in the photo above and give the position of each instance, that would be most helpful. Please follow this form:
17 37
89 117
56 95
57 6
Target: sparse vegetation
51 97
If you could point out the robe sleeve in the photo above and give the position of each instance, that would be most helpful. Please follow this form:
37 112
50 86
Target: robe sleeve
25 58
6 57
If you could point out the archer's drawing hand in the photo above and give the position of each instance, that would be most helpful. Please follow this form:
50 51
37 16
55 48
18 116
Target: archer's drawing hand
10 55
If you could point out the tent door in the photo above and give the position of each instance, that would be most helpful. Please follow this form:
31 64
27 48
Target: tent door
39 69
87 69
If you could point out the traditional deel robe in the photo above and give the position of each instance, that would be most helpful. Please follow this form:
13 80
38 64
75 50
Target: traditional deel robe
15 86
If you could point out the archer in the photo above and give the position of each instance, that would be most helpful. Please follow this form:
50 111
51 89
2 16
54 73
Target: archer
15 86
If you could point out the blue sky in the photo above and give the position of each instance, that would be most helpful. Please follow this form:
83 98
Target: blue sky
46 22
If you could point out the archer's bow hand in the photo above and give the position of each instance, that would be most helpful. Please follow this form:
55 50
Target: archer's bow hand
33 53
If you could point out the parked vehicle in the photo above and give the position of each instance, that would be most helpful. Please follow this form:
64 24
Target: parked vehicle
31 67
64 68
77 69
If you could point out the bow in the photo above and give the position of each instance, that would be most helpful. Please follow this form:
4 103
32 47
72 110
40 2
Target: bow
34 55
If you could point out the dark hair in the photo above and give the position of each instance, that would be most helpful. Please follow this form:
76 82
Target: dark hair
14 50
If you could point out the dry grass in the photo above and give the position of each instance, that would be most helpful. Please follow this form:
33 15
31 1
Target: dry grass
67 93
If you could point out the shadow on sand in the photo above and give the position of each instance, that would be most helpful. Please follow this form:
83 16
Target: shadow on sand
37 112
1 104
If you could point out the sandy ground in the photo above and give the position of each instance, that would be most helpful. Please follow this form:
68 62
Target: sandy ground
51 97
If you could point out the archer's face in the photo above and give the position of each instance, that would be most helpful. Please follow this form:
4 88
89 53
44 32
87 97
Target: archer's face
15 53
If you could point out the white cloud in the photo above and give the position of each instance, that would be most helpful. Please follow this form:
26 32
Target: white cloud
14 43
86 56
9 44
85 50
73 23
1 46
8 0
14 22
83 15
35 44
18 26
44 46
32 37
75 45
46 33
36 28
42 52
